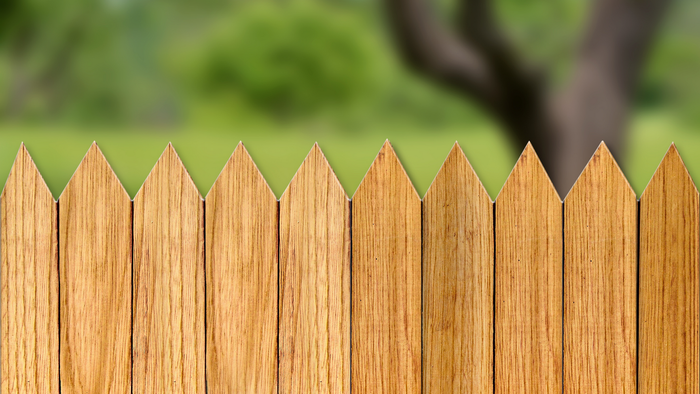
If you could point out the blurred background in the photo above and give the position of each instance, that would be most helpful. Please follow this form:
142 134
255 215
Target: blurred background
280 75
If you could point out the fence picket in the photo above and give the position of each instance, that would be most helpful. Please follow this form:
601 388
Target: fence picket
384 294
168 342
600 280
386 280
29 281
668 281
314 281
457 281
241 280
95 280
528 315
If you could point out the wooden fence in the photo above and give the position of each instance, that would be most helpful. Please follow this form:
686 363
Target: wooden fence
242 293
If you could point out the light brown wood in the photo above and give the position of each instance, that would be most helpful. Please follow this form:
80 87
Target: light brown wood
241 277
528 315
168 342
668 281
600 281
95 280
314 281
457 281
386 280
29 281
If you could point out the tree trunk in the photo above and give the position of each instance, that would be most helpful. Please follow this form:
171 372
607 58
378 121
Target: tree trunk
565 127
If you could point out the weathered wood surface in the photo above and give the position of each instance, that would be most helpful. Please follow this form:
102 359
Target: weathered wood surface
29 277
600 280
241 280
668 281
168 338
386 280
314 295
528 315
458 267
95 280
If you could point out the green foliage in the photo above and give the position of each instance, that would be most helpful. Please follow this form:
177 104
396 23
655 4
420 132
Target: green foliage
287 58
670 81
232 63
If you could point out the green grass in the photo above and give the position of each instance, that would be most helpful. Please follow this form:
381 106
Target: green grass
278 154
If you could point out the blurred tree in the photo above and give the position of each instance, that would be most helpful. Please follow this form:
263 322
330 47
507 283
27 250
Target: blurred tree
564 124
285 59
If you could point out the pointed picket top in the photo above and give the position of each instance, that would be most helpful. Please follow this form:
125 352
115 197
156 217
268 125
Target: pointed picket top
315 162
95 245
240 162
529 169
528 280
96 162
600 285
457 281
28 281
169 162
22 167
668 280
602 166
388 162
671 169
168 257
386 279
456 161
314 281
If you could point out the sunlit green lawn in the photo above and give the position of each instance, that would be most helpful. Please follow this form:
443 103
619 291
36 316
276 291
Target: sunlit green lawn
132 154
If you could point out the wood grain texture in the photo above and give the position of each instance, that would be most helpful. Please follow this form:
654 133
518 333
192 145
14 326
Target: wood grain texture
528 315
386 280
168 342
668 281
241 278
600 280
458 262
28 241
95 280
314 281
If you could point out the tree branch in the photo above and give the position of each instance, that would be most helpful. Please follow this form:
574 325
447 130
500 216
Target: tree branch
524 86
597 100
430 49
477 25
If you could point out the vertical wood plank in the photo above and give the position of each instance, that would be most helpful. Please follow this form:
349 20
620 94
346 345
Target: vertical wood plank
314 281
600 280
95 280
241 277
168 342
668 281
457 281
386 280
528 315
29 281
